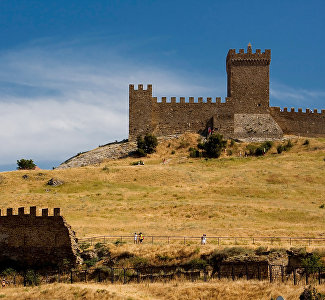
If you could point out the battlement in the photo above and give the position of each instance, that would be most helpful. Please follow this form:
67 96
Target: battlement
140 88
32 212
299 110
240 57
190 100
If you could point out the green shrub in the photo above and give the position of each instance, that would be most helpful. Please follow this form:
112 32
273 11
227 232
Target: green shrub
139 262
118 243
183 144
232 143
306 142
98 245
260 250
195 152
84 246
32 278
259 150
25 164
310 293
163 257
146 145
285 147
280 149
312 263
197 263
91 262
251 149
138 162
288 145
322 206
8 272
213 146
173 152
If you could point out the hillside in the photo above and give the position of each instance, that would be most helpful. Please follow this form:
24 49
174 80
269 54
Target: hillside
273 195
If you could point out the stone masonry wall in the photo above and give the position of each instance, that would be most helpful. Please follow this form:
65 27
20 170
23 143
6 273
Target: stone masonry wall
309 123
179 117
31 241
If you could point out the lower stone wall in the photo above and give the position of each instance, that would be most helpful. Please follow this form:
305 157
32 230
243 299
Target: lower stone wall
249 270
256 126
30 241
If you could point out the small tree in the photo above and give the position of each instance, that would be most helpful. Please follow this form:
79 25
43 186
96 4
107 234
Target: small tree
312 263
25 164
214 145
146 145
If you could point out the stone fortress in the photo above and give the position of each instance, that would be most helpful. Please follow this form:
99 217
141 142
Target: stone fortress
245 113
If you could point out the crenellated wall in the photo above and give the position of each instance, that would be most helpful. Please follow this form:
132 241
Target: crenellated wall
308 123
36 241
175 115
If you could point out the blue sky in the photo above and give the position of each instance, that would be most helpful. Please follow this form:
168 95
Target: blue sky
65 66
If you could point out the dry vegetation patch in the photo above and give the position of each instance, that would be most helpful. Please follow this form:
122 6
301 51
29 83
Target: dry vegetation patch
275 194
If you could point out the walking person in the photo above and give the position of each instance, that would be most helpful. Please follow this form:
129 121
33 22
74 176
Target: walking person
141 237
203 239
135 238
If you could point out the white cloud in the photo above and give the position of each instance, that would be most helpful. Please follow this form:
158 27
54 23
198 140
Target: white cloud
287 96
54 104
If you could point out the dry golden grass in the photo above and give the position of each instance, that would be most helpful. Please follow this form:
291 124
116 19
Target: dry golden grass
273 195
217 289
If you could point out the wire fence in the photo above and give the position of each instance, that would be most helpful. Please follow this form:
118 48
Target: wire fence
234 271
214 240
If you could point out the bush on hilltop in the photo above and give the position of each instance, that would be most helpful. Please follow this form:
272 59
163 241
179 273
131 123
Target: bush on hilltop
25 164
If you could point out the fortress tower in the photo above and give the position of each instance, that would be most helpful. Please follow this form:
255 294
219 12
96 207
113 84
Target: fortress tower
248 80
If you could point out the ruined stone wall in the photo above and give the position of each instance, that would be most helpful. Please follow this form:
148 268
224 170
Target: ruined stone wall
29 240
250 269
309 123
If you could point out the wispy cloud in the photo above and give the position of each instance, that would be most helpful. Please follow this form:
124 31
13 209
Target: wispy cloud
286 96
55 102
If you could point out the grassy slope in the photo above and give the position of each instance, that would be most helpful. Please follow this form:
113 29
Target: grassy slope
270 195
222 289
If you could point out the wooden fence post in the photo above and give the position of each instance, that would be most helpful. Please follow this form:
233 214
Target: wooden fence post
112 275
232 272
